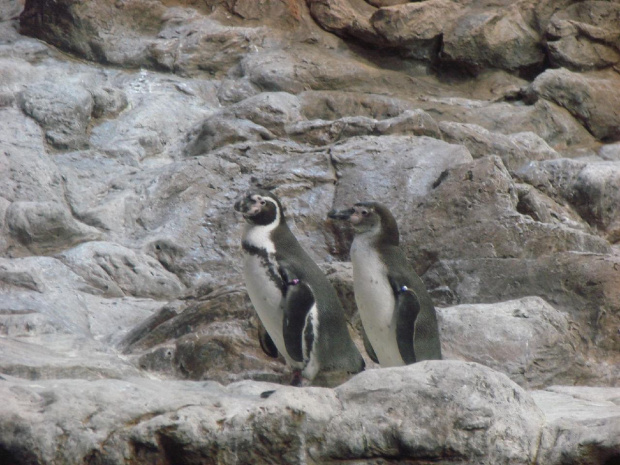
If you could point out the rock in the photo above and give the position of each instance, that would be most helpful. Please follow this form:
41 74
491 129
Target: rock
108 102
416 28
237 425
273 110
163 110
218 131
117 271
583 285
591 188
471 210
190 44
584 423
331 105
64 111
121 310
527 339
584 36
610 152
345 18
591 98
379 167
515 150
321 132
29 174
46 227
502 38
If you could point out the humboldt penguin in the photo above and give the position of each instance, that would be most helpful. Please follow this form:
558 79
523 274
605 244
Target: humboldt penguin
397 313
295 302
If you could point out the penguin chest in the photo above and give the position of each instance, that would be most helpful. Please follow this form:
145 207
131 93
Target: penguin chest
375 302
265 294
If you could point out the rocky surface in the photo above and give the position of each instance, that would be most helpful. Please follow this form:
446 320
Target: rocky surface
128 128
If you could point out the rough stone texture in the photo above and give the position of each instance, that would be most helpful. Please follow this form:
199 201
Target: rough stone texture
593 189
450 412
127 130
585 35
591 98
530 340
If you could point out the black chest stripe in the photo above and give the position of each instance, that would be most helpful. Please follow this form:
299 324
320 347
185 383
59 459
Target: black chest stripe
269 264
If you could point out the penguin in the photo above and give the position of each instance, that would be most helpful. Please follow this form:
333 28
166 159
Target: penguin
398 316
297 305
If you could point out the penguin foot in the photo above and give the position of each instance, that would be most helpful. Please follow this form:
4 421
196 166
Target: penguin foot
297 379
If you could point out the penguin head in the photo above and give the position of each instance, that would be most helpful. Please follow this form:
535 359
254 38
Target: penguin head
370 218
260 207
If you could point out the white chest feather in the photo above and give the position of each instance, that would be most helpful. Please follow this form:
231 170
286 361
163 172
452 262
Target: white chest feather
375 301
264 292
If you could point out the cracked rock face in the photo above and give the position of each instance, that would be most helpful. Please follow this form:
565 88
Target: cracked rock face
128 129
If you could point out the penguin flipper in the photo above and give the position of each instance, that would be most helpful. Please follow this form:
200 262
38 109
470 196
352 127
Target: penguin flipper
407 309
266 343
368 346
297 303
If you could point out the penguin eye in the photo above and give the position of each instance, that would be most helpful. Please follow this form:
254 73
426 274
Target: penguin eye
364 212
262 202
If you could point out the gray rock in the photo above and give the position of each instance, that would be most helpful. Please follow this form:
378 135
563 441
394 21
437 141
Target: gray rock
46 227
591 188
527 339
502 38
63 110
583 285
30 174
416 28
219 131
96 334
584 36
389 166
117 271
583 424
515 150
591 98
400 412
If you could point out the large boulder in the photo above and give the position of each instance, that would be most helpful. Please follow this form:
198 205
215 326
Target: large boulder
443 411
591 98
585 35
593 189
527 339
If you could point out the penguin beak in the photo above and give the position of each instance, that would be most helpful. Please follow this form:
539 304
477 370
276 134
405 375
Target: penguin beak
244 205
341 214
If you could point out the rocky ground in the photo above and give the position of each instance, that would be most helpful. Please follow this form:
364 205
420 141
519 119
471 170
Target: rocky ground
128 128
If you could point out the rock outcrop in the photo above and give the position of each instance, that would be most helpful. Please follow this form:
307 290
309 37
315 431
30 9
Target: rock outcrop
129 127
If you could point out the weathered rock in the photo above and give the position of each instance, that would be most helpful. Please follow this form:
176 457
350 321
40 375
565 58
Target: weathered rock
585 35
527 339
502 38
515 150
583 285
117 271
470 404
416 28
591 98
216 132
392 166
345 18
593 189
64 111
583 425
470 210
46 227
321 132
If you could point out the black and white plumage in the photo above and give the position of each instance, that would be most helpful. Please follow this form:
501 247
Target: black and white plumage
397 313
295 302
